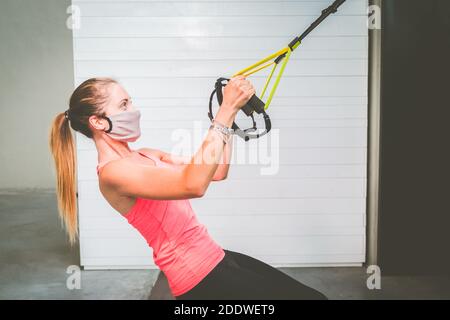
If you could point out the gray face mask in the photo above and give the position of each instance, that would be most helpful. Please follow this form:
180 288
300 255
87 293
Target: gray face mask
124 126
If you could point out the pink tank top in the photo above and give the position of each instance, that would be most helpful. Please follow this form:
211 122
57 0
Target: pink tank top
182 247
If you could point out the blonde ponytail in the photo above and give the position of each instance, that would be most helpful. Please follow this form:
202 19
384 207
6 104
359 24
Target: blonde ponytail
62 148
86 100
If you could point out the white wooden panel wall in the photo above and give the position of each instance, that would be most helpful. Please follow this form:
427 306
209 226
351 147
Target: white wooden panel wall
168 54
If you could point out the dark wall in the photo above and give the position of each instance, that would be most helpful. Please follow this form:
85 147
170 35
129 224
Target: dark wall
414 220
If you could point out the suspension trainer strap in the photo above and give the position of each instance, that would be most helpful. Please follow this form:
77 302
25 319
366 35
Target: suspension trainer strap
255 104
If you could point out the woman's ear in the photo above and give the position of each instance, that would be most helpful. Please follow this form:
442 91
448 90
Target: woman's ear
98 123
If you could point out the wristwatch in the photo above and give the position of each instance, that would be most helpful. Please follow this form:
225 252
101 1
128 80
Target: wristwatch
225 131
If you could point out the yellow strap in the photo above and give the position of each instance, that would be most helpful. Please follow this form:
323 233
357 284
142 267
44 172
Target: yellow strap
276 54
268 80
260 68
277 80
288 52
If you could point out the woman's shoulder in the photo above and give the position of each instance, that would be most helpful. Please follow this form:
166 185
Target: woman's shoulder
113 167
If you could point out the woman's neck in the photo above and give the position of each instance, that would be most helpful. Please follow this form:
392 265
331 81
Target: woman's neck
109 149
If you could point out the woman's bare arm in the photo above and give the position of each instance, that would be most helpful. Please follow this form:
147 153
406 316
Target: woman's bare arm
148 181
224 164
181 161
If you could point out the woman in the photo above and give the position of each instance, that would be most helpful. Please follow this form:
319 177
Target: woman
152 188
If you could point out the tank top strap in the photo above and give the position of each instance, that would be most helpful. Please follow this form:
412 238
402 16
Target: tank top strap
155 159
100 165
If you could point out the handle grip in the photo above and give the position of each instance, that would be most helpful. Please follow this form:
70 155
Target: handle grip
254 104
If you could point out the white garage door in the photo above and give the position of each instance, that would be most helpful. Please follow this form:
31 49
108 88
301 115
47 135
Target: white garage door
301 204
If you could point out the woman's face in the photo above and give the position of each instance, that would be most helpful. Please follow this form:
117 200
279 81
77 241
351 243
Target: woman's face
118 101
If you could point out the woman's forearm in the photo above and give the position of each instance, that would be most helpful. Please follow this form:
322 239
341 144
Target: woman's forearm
224 164
200 171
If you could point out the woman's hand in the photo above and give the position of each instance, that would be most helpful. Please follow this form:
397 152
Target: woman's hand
237 92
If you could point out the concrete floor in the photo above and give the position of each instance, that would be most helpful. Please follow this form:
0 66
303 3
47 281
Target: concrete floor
35 256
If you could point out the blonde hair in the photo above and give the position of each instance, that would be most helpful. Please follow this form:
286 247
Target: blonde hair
86 100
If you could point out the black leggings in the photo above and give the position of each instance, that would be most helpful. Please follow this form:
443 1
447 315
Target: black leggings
239 276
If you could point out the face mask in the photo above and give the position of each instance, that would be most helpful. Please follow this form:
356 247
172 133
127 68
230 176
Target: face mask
124 126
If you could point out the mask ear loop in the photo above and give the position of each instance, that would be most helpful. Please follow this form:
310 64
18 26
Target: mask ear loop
110 124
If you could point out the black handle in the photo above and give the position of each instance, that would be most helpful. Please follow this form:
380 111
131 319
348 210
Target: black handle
254 104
